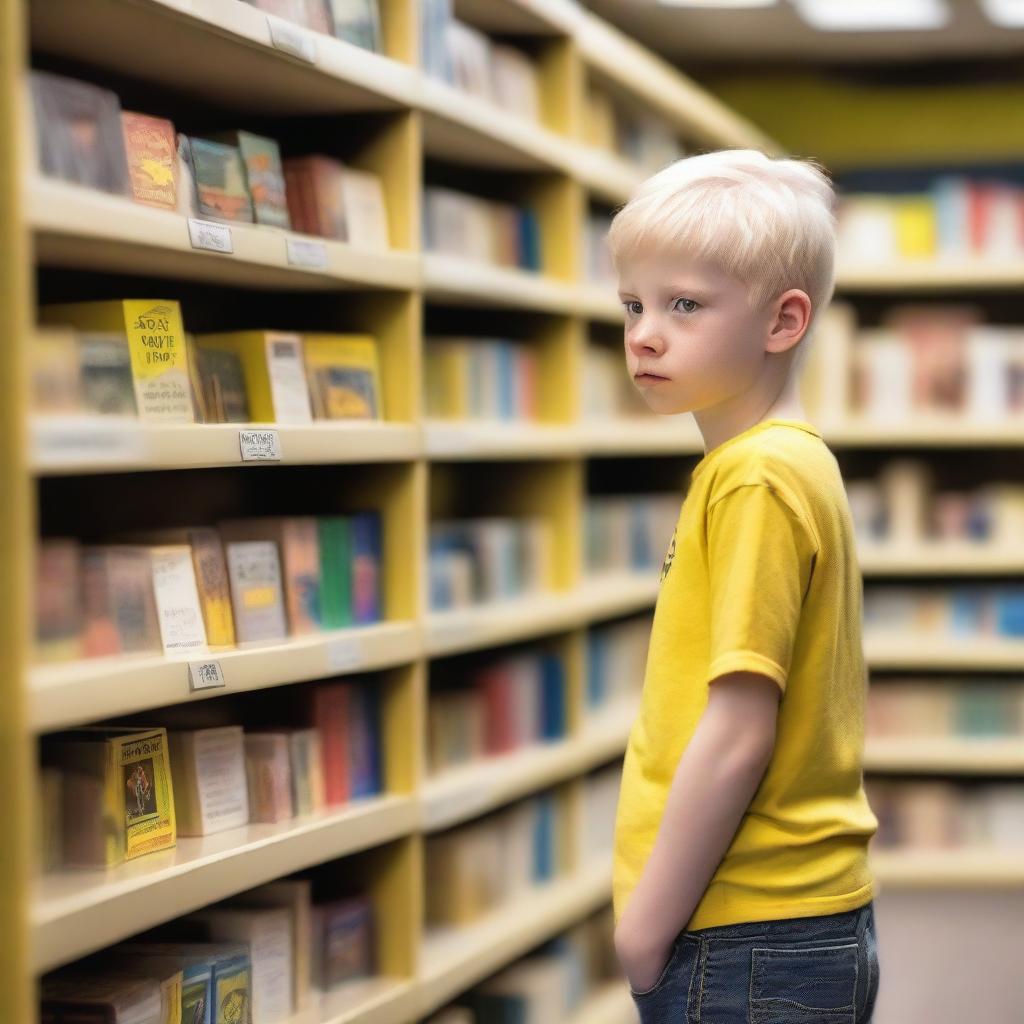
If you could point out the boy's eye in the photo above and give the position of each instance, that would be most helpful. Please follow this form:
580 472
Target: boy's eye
634 307
688 305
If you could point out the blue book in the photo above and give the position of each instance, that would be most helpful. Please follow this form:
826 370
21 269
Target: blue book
367 557
529 241
363 741
544 838
1010 611
597 647
552 681
506 380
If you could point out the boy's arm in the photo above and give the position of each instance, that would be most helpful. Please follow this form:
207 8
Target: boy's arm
714 784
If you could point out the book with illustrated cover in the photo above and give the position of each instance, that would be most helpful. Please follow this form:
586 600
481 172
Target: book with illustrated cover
218 175
257 596
316 200
177 599
105 361
154 960
296 539
367 563
344 380
365 776
223 379
56 372
358 22
130 773
273 371
152 151
211 790
156 343
342 942
118 605
78 132
264 176
366 213
58 608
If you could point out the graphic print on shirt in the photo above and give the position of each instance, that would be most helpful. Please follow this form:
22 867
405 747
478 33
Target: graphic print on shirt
667 564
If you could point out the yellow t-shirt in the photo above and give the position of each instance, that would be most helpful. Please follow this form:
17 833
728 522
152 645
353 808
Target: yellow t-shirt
761 575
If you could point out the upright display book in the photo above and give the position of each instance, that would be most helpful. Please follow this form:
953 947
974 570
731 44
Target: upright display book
343 374
152 153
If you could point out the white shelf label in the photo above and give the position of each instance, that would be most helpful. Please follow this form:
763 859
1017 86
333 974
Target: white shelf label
303 252
205 234
205 675
345 654
259 445
292 39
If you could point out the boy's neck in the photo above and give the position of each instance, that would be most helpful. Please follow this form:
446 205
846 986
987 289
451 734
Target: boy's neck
719 424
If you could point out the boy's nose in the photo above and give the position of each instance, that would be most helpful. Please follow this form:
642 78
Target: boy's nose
643 338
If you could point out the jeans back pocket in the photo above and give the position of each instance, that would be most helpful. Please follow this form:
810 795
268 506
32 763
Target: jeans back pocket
793 985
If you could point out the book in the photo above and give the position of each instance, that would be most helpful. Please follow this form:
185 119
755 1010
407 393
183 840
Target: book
156 343
177 599
218 175
257 599
57 602
514 82
55 366
342 942
264 176
311 14
297 541
329 712
78 132
358 22
105 361
334 535
316 200
170 978
296 896
267 935
365 210
118 604
367 563
269 776
129 808
49 819
210 786
225 399
77 996
363 720
306 752
343 375
152 153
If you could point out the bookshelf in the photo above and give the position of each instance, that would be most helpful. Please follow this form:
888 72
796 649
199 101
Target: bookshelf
412 468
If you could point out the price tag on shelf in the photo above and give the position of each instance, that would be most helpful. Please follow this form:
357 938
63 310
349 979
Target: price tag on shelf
205 234
291 39
345 654
305 252
205 675
259 445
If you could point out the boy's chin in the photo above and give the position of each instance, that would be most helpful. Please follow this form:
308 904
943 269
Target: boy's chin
666 406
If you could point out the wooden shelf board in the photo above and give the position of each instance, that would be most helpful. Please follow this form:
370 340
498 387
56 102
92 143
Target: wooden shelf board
926 432
642 435
941 558
982 755
948 869
925 275
494 439
66 694
463 282
604 597
896 649
77 912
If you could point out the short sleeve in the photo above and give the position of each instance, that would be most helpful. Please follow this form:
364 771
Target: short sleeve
761 555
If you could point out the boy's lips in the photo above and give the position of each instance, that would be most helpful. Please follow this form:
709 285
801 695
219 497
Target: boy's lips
648 378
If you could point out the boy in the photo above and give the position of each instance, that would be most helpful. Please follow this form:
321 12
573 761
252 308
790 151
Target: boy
742 891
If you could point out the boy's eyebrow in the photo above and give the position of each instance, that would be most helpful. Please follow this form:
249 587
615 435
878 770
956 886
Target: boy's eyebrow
682 288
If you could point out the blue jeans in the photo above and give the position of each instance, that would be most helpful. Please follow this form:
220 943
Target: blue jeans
800 970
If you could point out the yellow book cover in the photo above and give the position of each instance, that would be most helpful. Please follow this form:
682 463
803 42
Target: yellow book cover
915 227
156 341
343 374
273 369
141 775
447 379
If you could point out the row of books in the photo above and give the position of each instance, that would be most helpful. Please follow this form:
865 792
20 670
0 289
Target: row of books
482 560
938 359
475 868
549 985
111 794
491 707
355 21
645 140
192 589
953 218
607 391
947 815
628 533
482 230
84 137
259 958
463 56
903 505
597 819
132 357
945 708
480 378
616 659
943 611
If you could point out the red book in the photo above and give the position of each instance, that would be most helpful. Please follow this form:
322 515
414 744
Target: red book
330 716
499 716
979 203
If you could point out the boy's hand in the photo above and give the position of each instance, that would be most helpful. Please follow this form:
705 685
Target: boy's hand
641 963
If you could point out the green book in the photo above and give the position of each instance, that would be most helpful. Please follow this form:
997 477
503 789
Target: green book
335 571
983 709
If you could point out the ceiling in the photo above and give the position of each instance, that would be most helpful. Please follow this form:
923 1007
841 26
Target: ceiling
778 33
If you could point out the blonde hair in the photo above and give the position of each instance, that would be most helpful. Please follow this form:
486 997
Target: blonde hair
769 223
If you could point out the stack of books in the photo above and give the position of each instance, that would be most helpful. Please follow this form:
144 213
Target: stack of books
938 612
941 707
197 589
481 561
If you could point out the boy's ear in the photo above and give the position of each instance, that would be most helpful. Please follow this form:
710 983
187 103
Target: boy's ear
790 318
